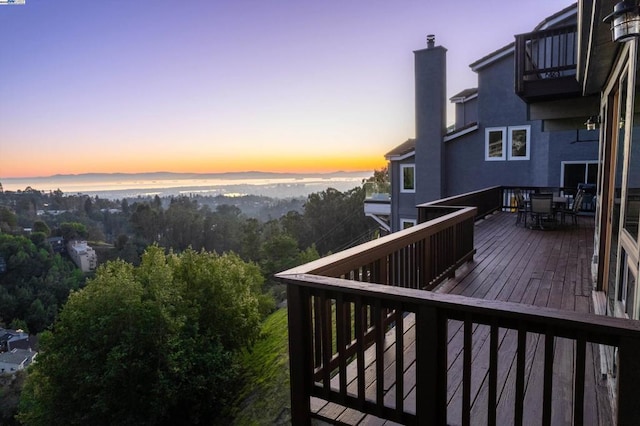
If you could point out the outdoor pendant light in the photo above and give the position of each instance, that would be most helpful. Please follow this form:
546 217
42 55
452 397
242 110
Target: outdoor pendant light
625 20
592 122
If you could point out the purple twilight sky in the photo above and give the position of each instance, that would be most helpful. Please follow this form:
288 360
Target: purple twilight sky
207 86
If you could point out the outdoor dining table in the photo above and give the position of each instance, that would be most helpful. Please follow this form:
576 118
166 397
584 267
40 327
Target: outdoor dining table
558 203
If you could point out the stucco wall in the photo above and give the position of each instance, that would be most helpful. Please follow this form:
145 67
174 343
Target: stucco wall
498 106
403 205
466 112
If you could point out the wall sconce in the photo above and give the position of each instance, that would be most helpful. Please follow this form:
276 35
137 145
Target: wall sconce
625 20
592 122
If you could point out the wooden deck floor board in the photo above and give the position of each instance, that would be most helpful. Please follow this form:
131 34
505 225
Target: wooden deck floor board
543 268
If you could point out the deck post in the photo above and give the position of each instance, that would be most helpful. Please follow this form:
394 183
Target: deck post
431 367
628 381
299 354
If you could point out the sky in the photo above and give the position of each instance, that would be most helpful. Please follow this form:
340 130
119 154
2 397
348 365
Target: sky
207 86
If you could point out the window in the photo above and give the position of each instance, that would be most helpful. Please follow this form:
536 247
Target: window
627 285
495 143
408 172
407 223
519 142
518 147
581 174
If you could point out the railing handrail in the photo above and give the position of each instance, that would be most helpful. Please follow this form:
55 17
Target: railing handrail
446 202
538 34
596 328
346 260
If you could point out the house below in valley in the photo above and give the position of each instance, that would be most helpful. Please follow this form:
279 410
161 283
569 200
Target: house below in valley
57 244
82 255
14 339
16 360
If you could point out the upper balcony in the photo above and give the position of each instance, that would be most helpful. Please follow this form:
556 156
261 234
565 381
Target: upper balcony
464 316
546 64
377 202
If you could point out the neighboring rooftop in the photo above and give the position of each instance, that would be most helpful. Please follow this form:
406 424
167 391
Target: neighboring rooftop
557 18
403 149
464 95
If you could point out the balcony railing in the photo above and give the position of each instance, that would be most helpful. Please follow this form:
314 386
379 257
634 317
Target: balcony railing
347 309
546 64
377 202
377 191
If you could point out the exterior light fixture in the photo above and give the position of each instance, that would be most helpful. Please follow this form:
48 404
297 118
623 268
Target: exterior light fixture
625 20
592 122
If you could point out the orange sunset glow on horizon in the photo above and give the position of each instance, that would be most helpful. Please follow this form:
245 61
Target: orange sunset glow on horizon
277 164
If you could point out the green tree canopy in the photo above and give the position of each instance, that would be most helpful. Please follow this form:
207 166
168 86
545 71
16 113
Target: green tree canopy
73 231
152 344
336 220
36 282
41 226
8 219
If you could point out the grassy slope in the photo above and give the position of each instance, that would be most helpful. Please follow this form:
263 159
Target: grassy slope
265 399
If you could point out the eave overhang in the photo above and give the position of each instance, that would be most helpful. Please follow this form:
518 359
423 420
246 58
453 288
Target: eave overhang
596 51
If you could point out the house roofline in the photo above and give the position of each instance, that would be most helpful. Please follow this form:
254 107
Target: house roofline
464 96
401 157
461 132
557 17
493 57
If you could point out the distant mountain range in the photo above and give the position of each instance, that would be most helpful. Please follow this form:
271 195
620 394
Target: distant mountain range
180 176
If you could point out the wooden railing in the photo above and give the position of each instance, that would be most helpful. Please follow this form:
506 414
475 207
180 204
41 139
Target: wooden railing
547 56
330 319
419 257
364 334
485 201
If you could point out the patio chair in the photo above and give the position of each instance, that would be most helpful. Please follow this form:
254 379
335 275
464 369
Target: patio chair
574 209
521 206
541 209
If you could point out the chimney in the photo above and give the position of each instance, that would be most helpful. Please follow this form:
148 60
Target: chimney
431 41
430 93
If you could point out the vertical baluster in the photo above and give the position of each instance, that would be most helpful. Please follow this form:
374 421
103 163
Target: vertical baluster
327 341
429 260
349 323
317 331
493 374
392 268
412 265
522 346
578 384
300 355
382 269
378 313
431 366
399 329
402 267
360 327
466 371
341 326
420 264
544 61
548 378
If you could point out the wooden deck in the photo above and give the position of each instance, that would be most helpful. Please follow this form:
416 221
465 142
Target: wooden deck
549 268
